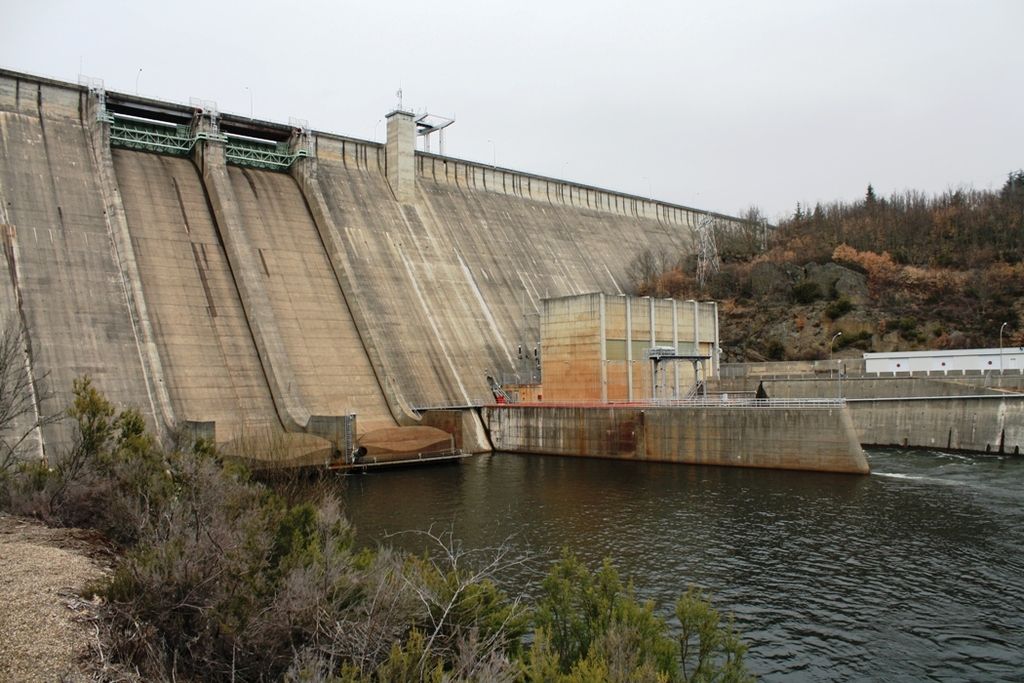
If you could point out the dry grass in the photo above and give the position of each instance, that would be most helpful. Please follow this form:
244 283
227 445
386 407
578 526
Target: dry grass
44 626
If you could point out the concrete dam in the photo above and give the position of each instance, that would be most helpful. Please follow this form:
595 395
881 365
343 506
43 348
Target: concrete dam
272 280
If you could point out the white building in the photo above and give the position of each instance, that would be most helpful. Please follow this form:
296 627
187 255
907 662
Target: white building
991 360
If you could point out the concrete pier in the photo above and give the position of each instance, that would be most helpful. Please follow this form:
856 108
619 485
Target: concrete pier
247 265
818 438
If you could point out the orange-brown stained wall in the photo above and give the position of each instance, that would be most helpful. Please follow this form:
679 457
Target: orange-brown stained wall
594 346
525 393
571 348
816 438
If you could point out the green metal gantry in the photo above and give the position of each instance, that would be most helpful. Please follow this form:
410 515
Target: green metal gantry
254 154
179 140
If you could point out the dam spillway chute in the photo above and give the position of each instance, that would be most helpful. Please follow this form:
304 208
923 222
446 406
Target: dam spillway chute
176 131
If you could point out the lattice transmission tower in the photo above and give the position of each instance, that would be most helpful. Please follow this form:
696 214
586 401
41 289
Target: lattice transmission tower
707 251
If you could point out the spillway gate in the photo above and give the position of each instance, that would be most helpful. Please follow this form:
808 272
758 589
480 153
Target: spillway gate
162 131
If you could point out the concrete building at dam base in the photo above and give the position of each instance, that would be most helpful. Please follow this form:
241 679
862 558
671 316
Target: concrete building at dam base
305 297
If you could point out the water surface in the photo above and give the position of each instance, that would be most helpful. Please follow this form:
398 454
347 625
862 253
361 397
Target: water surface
915 572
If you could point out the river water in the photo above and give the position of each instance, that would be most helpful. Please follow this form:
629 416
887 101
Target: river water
915 572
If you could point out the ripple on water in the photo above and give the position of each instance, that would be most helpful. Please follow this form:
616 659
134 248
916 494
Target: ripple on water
915 572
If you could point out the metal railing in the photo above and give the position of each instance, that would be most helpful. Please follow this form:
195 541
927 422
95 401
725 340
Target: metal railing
369 461
748 402
720 401
882 399
176 140
179 140
266 155
819 374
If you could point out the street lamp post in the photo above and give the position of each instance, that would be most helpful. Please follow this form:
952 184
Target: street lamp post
830 345
1001 328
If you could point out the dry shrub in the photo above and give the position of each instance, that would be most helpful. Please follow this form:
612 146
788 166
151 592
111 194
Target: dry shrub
222 579
675 283
933 281
881 270
1003 279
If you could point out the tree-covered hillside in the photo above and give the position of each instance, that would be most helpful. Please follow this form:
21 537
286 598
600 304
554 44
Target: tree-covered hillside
908 271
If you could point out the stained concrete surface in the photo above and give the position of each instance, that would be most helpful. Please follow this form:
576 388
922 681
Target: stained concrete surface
73 298
820 439
209 359
331 371
982 413
454 280
260 319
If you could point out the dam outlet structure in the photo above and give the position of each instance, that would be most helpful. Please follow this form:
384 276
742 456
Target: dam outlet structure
294 296
627 378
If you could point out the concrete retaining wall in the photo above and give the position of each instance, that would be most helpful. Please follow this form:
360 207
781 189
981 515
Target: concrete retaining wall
818 439
986 424
972 412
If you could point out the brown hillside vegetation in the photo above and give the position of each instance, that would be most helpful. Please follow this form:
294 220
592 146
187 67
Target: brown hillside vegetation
899 273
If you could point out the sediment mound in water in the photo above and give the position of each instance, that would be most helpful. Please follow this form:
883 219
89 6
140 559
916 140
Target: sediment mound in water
397 442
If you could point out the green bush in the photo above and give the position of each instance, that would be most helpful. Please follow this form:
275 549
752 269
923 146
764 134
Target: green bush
907 325
590 626
838 308
860 340
806 292
775 350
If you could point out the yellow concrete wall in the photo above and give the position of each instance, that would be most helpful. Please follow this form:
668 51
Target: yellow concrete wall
571 336
571 352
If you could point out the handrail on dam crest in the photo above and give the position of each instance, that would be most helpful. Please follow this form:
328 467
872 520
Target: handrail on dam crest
699 402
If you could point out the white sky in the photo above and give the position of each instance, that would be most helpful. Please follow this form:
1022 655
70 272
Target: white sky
716 105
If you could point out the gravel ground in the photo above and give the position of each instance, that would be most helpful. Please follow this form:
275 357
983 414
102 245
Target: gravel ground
44 632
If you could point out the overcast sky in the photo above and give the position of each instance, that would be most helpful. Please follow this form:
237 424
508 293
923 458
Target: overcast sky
717 105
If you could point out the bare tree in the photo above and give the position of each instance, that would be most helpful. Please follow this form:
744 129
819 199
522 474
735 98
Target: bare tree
21 395
646 270
441 586
742 239
708 261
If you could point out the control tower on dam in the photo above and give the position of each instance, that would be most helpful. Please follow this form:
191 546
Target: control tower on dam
263 283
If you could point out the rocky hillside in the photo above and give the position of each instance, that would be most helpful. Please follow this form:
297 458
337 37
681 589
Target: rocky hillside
903 273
